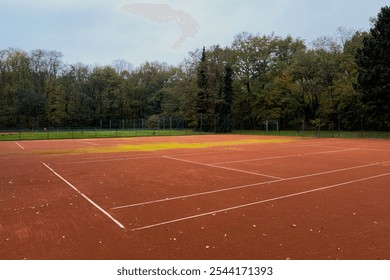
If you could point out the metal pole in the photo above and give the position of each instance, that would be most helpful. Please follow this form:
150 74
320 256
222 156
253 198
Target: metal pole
201 122
338 123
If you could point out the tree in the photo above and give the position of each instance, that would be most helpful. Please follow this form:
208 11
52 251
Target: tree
203 95
79 99
259 61
257 78
224 104
185 88
104 87
373 80
347 101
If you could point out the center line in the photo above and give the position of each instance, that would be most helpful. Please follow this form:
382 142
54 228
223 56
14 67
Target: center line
222 167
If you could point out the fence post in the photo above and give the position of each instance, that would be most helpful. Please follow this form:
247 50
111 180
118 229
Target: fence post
201 122
339 123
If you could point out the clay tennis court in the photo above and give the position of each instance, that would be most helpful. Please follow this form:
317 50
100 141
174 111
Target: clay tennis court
195 197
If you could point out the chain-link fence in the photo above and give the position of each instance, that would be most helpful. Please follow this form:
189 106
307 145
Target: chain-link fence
153 122
162 125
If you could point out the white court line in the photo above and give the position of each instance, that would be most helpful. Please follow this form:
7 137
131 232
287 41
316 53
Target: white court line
247 186
222 167
121 158
145 156
334 151
19 145
256 159
86 197
258 202
287 156
86 142
365 149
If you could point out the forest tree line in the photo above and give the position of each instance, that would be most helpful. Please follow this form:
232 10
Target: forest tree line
257 78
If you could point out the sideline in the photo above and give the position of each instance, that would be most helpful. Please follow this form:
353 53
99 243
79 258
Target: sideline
86 197
19 145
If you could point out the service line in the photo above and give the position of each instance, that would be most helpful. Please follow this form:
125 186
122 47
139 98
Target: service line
247 186
286 156
86 197
259 202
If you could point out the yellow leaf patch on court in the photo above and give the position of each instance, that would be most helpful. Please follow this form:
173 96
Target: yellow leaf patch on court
158 146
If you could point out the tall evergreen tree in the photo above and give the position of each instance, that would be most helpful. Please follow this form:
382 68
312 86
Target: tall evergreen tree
203 96
373 60
224 105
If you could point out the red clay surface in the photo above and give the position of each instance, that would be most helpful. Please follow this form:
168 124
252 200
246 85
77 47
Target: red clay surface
301 199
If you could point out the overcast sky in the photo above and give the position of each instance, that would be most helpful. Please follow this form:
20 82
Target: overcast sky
100 31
